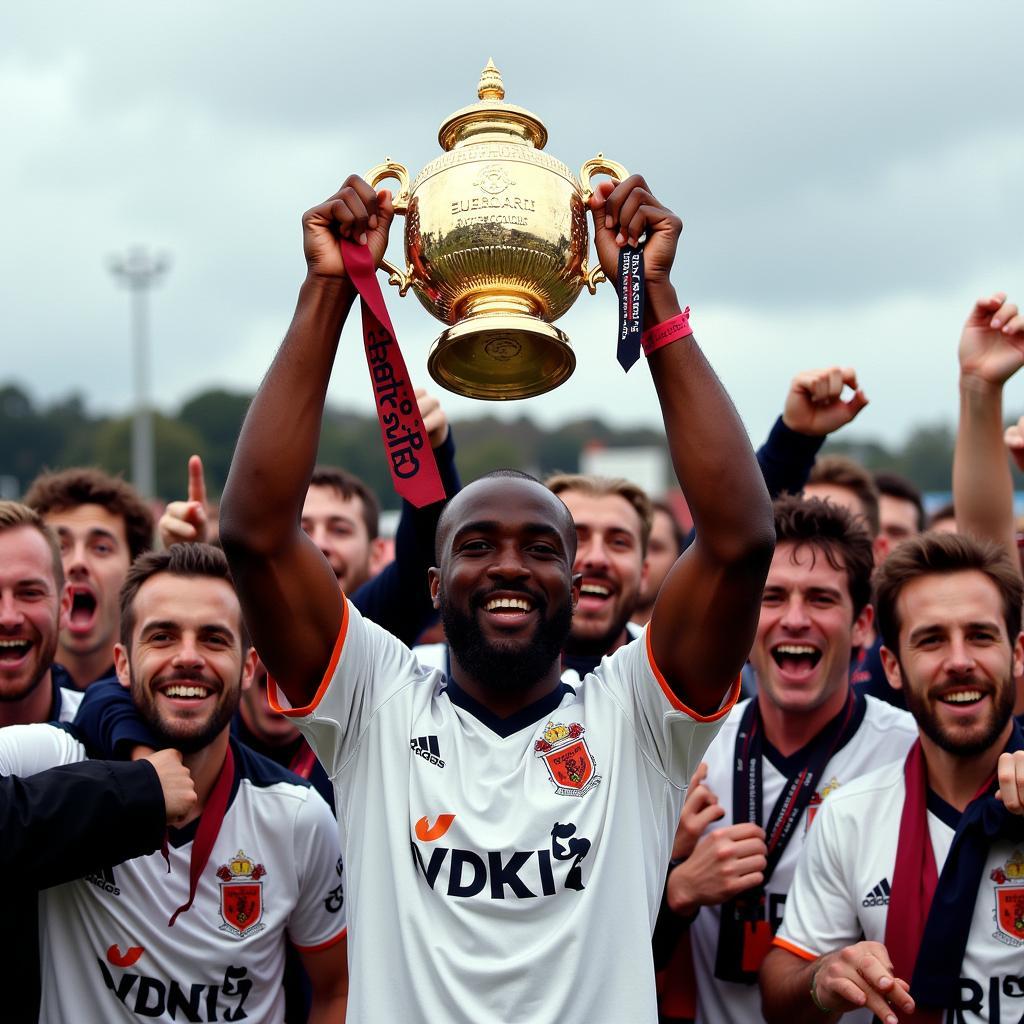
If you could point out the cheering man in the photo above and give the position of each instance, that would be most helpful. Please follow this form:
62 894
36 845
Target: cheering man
539 815
911 886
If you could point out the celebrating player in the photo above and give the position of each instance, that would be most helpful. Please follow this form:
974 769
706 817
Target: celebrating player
256 856
909 890
539 815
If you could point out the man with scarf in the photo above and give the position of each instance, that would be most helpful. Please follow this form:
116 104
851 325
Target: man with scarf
908 902
805 733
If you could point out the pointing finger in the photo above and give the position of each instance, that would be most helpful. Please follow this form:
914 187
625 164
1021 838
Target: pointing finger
196 483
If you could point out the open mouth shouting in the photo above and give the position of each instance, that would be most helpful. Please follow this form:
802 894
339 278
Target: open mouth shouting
796 661
82 617
14 651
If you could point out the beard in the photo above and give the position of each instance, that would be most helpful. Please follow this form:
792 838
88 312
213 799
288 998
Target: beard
186 735
46 652
506 668
1002 711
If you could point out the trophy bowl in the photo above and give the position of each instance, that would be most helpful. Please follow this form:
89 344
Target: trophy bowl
496 247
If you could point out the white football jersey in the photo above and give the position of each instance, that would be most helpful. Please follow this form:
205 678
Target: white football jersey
106 951
842 888
884 733
501 870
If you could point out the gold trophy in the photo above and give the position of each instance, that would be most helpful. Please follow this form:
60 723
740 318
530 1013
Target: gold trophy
496 246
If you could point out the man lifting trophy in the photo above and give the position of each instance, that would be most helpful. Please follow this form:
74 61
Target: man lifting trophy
485 888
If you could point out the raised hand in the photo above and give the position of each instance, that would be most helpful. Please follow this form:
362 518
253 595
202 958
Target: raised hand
814 405
435 420
187 521
622 212
992 341
1011 781
700 809
724 863
356 213
861 975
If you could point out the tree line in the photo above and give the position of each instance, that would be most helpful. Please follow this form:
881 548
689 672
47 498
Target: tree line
37 435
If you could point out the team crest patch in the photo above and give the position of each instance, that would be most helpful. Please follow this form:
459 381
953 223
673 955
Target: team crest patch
241 896
570 764
1009 893
815 802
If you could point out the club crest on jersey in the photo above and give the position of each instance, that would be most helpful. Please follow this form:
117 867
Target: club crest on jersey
570 764
815 802
1009 893
241 896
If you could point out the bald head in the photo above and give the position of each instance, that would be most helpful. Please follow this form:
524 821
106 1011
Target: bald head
503 495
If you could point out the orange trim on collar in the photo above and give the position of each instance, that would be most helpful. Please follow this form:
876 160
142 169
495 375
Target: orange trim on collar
730 700
332 665
795 950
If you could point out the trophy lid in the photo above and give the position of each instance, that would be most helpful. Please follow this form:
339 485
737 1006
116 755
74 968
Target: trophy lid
491 119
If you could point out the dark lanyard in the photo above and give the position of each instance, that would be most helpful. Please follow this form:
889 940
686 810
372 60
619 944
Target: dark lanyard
748 778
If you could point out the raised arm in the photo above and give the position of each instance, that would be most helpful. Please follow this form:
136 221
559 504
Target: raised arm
991 351
289 593
705 615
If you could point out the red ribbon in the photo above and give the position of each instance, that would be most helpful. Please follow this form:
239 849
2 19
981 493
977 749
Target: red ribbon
410 457
208 830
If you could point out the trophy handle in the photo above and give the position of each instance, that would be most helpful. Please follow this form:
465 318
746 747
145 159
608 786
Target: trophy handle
401 279
599 165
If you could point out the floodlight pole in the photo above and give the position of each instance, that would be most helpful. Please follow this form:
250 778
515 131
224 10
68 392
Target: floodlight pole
139 272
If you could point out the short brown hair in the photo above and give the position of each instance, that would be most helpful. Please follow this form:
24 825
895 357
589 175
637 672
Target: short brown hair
840 471
939 554
947 511
892 485
87 485
349 486
14 515
841 538
678 534
192 560
602 486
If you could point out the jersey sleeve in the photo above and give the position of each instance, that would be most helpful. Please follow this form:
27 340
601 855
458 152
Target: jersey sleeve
821 913
367 666
318 919
29 749
672 735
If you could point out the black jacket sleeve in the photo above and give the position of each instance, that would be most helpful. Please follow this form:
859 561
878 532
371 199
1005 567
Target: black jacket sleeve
398 597
787 458
75 819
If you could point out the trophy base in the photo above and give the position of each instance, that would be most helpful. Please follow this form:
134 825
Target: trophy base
501 356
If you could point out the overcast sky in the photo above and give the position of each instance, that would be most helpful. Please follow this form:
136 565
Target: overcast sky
850 174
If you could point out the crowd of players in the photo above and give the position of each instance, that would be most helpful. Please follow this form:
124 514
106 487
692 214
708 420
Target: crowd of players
461 782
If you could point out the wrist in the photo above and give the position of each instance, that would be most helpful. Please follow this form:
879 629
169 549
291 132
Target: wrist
330 289
681 898
661 303
974 386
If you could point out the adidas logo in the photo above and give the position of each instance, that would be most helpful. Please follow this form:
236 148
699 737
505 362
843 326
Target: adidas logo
879 896
427 748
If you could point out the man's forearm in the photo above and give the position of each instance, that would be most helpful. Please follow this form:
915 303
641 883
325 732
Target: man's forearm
277 446
786 990
982 485
711 453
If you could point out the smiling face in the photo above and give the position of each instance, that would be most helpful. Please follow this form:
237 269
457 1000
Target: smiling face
504 586
610 559
337 525
806 632
185 665
94 550
31 609
956 665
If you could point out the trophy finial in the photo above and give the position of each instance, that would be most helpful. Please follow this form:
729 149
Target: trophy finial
490 86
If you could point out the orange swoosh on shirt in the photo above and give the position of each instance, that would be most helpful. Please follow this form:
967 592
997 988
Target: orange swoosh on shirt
129 959
428 833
